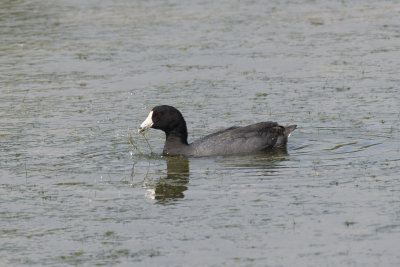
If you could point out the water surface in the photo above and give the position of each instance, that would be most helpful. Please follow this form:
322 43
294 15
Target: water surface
78 186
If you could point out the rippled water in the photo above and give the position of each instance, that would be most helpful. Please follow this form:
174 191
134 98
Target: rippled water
79 186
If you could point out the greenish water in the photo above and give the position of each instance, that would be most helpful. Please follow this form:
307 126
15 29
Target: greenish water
78 77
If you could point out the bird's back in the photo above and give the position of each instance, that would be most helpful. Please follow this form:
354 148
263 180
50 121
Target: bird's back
242 140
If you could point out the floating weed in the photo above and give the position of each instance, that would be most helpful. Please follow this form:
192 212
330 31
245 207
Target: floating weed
316 21
109 234
349 223
8 231
122 252
72 183
341 89
238 259
78 253
154 253
261 95
133 142
74 258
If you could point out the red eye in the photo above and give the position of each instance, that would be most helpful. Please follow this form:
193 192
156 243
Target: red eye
159 114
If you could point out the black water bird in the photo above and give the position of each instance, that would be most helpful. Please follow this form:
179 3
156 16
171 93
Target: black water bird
250 139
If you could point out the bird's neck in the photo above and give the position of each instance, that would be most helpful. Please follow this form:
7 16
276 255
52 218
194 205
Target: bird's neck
174 146
178 134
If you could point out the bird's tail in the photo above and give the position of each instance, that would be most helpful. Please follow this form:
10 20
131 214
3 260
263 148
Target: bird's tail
289 130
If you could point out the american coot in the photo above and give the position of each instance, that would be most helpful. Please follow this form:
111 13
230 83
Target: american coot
234 140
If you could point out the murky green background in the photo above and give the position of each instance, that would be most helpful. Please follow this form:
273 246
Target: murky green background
78 77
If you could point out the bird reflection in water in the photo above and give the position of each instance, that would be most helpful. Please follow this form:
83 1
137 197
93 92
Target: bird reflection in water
170 188
173 186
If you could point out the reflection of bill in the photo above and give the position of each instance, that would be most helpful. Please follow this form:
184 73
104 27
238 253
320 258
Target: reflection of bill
171 187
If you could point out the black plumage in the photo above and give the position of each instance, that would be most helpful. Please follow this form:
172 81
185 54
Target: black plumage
250 139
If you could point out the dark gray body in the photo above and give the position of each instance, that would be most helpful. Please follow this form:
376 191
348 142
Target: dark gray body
250 139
